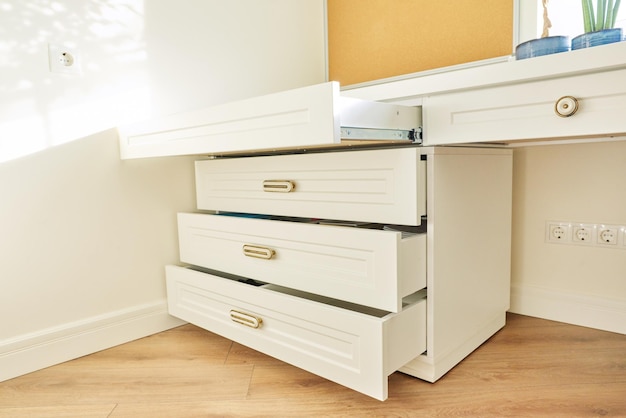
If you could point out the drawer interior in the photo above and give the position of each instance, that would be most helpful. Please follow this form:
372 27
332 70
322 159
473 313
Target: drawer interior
342 304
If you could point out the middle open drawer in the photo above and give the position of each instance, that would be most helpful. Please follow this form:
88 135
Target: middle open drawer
370 267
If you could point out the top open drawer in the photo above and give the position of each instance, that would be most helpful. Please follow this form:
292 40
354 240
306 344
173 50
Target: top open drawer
314 116
382 185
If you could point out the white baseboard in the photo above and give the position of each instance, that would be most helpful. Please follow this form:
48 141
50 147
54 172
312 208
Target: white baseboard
431 369
37 350
608 314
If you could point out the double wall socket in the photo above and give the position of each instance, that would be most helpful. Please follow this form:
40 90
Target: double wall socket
578 233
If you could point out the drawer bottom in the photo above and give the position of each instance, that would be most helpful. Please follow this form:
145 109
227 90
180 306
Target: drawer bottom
354 346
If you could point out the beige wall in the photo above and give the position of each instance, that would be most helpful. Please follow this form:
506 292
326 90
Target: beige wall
84 233
571 283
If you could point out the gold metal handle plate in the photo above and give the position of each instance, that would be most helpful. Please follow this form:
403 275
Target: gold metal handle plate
566 106
279 186
256 251
246 319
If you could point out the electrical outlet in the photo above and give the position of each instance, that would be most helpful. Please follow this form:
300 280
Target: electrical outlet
607 234
63 60
558 232
590 235
583 234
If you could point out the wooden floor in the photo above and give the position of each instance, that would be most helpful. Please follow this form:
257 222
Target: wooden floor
530 368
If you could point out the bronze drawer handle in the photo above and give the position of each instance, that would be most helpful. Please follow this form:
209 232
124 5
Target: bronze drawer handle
245 319
280 186
258 252
566 106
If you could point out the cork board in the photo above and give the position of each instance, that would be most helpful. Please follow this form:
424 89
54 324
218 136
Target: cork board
373 39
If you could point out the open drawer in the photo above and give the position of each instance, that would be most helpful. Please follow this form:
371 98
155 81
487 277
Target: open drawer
313 116
357 348
383 186
369 267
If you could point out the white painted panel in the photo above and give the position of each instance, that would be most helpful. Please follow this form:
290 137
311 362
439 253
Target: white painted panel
300 117
384 186
468 252
471 206
491 73
527 111
342 345
357 265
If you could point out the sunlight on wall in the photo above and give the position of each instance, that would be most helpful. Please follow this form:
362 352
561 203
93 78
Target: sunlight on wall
39 109
145 58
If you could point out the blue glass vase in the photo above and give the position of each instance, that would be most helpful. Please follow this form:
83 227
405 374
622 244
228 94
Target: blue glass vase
600 37
542 46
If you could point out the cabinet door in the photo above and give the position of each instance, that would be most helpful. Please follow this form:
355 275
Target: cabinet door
529 110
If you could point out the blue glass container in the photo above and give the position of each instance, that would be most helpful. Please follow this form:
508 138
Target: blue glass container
601 37
542 46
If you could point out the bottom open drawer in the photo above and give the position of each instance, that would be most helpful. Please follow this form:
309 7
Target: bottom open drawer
355 346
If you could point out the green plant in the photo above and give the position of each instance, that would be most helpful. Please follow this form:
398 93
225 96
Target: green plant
604 16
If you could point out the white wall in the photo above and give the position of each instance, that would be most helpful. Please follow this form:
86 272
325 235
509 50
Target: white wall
144 58
214 51
84 236
570 283
84 240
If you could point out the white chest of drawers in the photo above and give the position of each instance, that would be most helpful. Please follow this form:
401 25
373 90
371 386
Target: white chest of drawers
352 304
348 262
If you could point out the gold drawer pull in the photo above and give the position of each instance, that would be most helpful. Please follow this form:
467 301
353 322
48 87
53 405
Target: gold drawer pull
258 252
566 106
245 319
280 186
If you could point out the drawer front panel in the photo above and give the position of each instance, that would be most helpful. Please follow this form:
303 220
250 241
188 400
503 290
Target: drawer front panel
527 111
296 118
384 186
342 345
368 267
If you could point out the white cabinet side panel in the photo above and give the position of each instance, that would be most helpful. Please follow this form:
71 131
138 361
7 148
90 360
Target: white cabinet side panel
469 246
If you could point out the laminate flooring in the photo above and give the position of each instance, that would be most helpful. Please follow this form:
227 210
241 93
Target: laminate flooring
531 368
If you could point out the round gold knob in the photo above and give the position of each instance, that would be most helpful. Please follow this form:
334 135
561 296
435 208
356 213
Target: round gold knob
566 106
